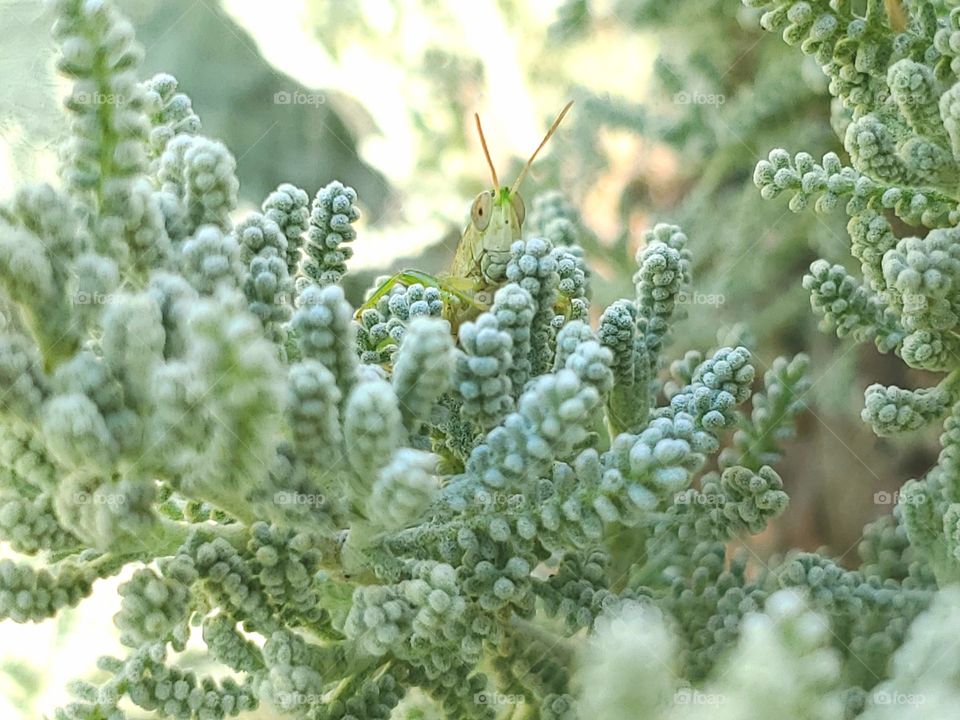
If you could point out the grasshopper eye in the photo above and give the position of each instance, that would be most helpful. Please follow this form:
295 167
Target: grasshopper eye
516 202
481 210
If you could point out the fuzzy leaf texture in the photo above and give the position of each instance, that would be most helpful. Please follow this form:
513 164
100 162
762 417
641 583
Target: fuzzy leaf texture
517 514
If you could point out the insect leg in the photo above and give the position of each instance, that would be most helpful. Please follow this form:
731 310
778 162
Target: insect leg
384 288
412 277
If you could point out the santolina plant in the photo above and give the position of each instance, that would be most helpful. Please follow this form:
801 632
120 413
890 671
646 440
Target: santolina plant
530 517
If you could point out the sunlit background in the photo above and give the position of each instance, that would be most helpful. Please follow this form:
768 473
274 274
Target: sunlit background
674 103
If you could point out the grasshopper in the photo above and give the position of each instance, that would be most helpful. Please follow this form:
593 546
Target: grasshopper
480 264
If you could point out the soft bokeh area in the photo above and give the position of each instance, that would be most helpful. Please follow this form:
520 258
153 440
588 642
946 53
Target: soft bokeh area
674 104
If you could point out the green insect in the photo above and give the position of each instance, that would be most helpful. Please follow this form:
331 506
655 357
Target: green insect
480 264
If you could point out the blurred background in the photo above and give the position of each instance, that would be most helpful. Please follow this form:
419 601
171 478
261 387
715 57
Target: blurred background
674 104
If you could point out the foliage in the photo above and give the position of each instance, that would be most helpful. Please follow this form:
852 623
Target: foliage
531 518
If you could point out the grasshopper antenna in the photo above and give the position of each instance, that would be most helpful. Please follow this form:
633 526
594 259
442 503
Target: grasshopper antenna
550 132
483 142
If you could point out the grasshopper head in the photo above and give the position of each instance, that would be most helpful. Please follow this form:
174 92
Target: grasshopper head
496 208
503 204
496 216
